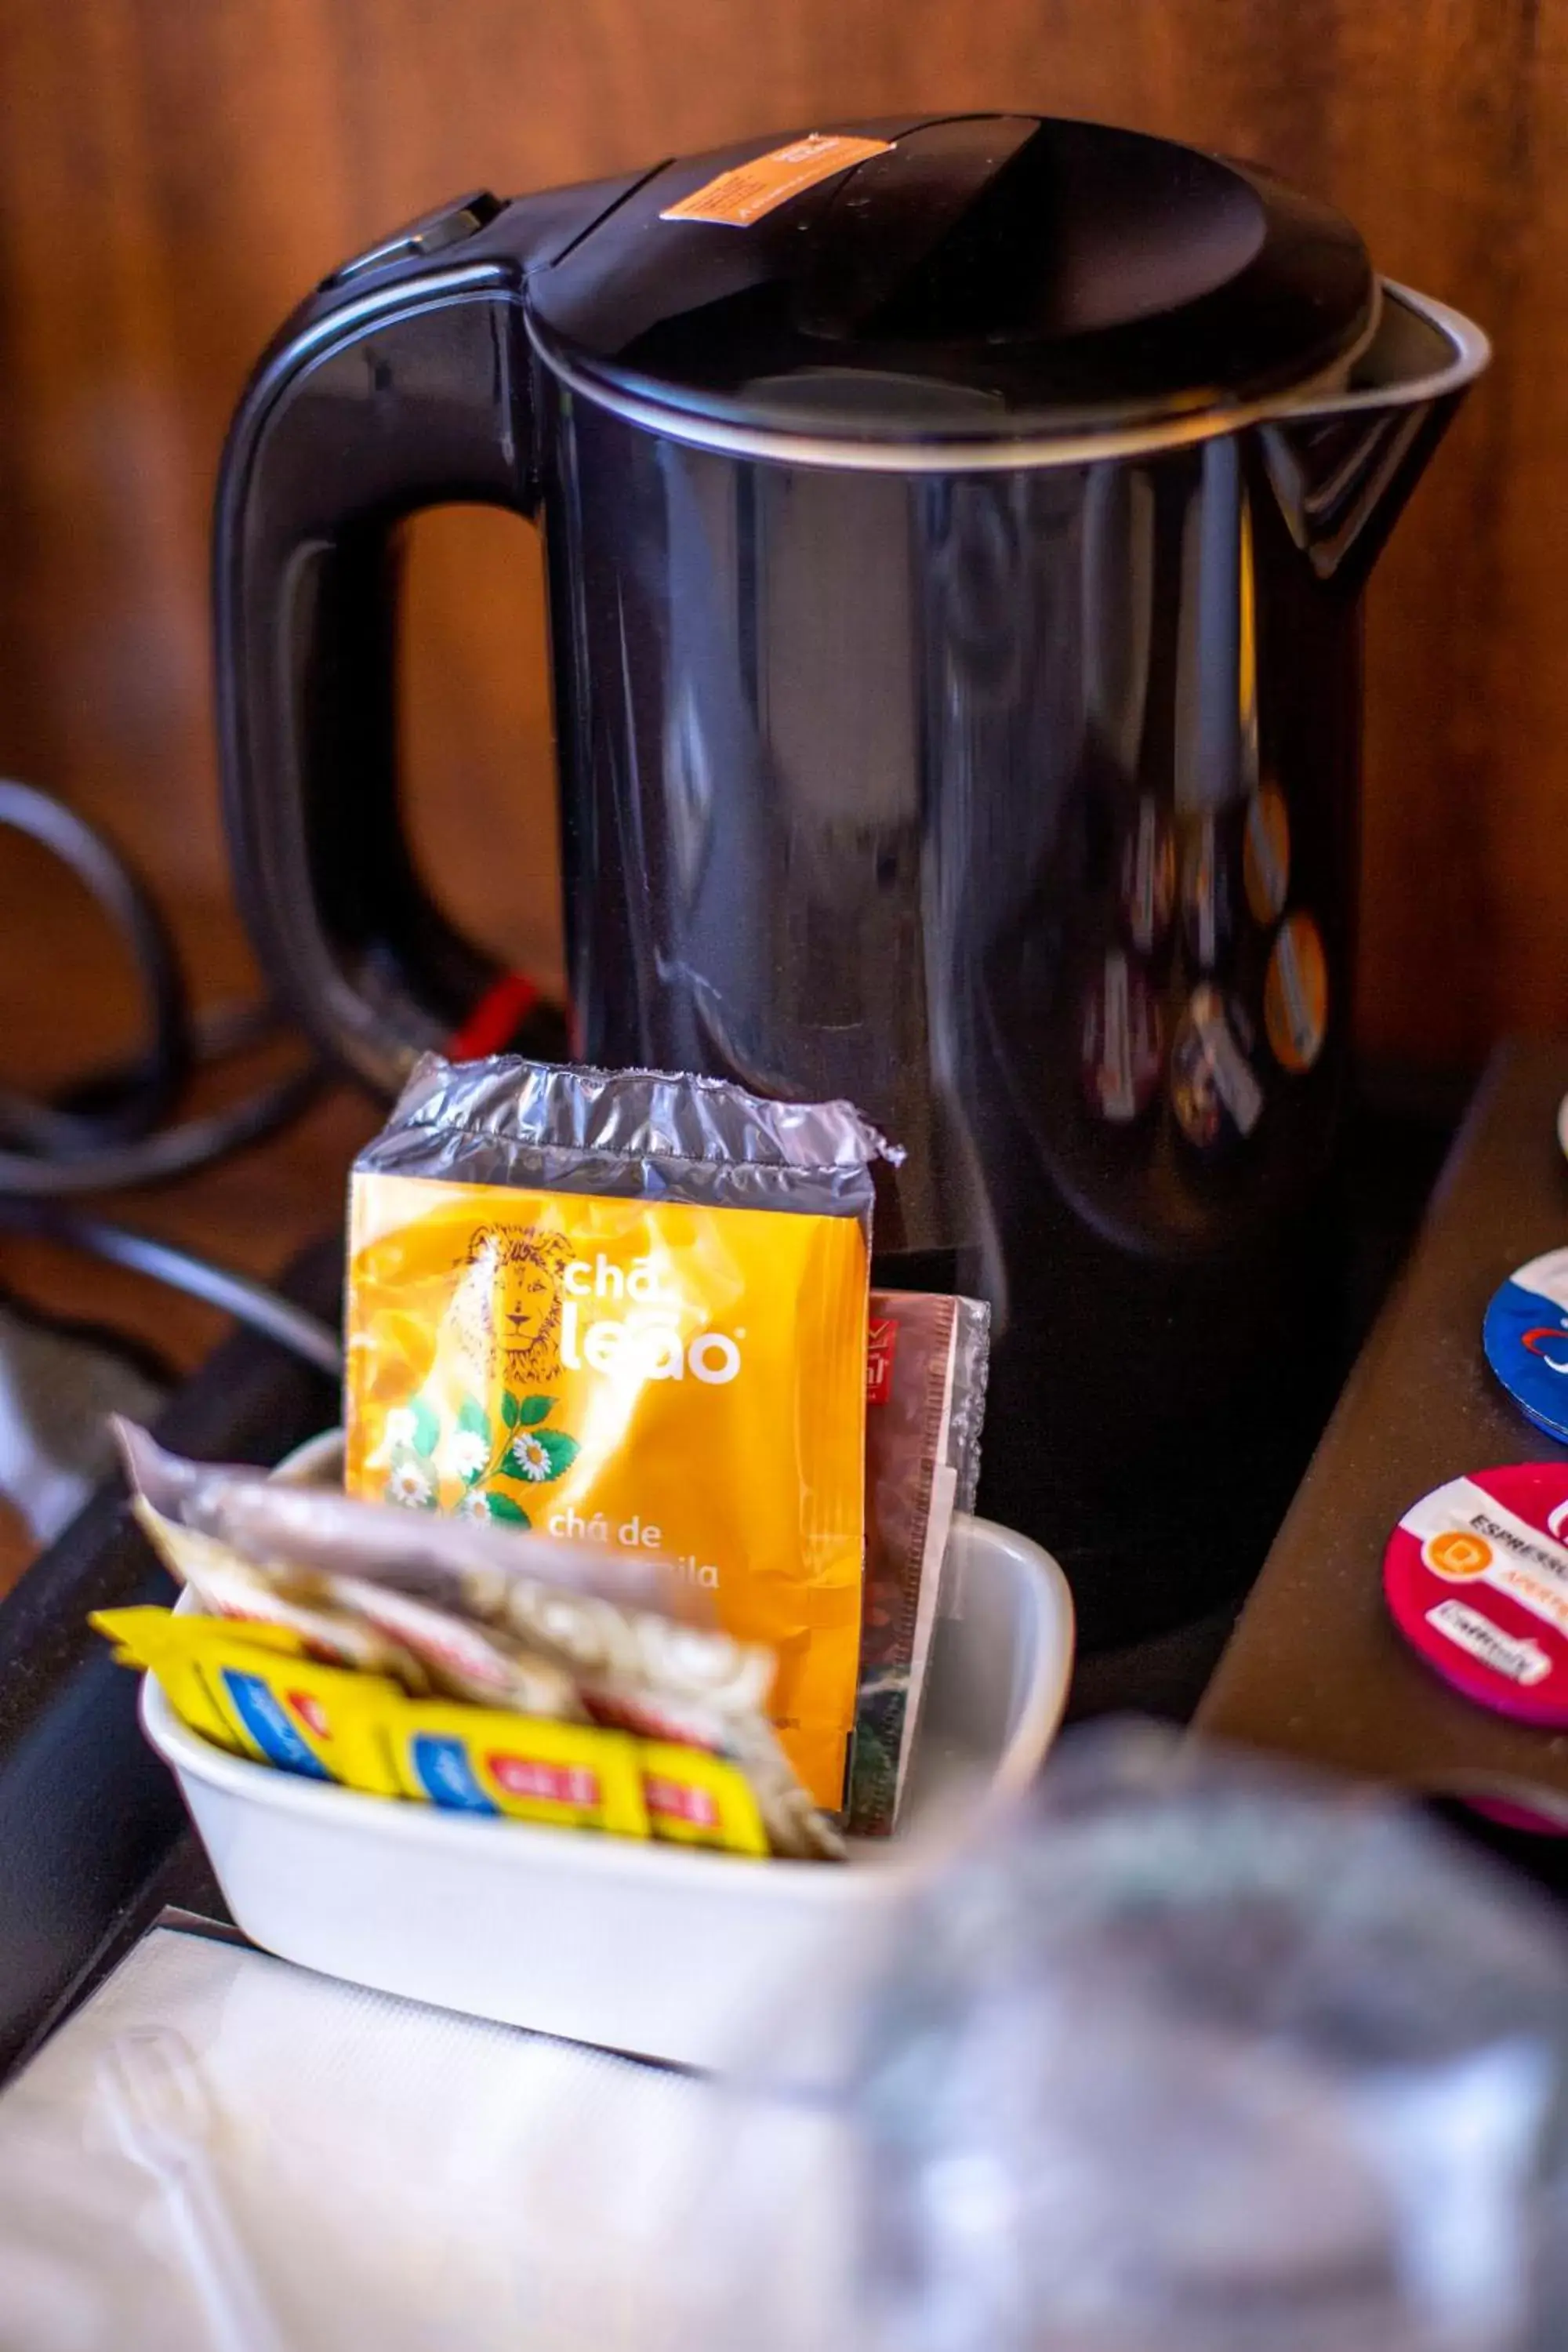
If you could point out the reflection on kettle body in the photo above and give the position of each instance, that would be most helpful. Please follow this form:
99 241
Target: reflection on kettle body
1117 608
1216 738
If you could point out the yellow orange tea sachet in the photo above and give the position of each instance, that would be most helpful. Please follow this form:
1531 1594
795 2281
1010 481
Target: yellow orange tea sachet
629 1310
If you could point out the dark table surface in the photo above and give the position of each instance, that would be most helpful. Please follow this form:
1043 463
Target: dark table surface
1315 1669
93 1837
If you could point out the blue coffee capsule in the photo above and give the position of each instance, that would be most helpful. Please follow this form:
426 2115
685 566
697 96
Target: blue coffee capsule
1526 1341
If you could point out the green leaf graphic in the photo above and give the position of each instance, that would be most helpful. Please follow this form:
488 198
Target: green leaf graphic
559 1449
511 1406
536 1409
503 1508
472 1416
427 1427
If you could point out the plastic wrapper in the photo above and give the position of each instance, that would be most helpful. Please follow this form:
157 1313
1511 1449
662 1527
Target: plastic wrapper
629 1308
228 1586
925 1403
454 1655
457 1564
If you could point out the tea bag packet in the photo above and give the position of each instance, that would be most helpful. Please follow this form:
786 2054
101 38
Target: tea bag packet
629 1310
620 1409
925 1389
226 1585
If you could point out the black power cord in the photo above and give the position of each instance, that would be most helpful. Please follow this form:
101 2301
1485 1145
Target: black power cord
109 1132
250 1302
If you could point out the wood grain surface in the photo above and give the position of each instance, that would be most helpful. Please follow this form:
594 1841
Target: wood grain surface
172 177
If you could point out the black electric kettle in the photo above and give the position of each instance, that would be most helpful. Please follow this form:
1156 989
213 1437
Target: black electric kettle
955 530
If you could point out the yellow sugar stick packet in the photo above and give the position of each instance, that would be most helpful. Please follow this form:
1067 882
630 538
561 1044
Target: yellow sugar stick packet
476 1759
142 1638
250 1689
695 1798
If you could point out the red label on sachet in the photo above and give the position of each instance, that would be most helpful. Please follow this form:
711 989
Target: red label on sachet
883 1339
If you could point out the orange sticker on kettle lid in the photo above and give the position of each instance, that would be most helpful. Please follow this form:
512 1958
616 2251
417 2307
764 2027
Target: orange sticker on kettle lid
751 191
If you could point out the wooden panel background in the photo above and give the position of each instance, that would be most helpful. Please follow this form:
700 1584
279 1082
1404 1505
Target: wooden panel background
173 176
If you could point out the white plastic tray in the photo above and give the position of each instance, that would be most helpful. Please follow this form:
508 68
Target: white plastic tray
670 1954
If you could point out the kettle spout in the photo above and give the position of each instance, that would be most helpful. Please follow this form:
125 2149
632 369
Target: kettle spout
1341 465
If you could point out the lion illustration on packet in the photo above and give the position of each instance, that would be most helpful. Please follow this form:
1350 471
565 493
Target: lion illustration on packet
500 1322
508 1298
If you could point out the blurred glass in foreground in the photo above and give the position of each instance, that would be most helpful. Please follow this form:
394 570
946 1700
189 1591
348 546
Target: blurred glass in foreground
1192 2057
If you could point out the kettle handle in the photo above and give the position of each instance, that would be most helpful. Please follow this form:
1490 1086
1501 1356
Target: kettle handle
404 382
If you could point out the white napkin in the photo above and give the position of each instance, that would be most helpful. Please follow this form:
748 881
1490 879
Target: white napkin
389 2176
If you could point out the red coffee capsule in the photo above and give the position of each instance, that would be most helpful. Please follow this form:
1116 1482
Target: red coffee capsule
1476 1576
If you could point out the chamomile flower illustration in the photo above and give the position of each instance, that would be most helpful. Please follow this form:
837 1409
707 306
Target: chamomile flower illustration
467 1454
410 1486
479 1451
528 1458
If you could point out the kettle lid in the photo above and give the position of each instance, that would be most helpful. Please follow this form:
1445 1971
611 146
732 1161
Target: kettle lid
974 276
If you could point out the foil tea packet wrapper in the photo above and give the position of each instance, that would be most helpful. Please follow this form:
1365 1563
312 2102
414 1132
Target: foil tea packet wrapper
627 1309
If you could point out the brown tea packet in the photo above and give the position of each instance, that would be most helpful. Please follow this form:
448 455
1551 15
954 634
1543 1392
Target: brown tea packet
925 1399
